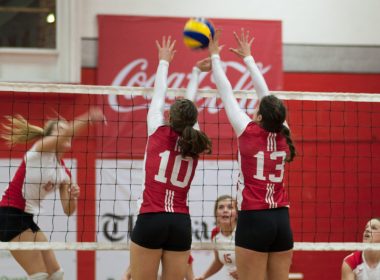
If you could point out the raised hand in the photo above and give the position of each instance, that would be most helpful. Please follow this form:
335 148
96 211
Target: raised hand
204 65
96 115
166 49
213 46
244 44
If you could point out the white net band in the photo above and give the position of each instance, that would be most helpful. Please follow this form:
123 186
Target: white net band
118 90
99 246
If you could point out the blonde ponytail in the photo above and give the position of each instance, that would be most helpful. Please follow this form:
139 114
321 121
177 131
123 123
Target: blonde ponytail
19 130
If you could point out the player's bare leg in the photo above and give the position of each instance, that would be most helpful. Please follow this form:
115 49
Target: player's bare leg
251 265
144 262
174 265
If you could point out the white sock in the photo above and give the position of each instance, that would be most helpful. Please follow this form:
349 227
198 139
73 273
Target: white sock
58 275
39 276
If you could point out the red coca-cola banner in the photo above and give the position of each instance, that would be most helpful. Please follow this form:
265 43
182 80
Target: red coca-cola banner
128 57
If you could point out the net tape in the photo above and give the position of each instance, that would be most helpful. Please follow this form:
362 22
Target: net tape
107 246
119 90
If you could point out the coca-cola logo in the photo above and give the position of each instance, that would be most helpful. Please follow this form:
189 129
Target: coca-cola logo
134 74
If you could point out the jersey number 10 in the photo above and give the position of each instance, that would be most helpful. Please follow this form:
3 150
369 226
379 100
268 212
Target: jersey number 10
160 177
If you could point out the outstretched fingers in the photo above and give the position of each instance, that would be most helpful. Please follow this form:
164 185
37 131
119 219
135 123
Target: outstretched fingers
172 45
158 45
237 38
217 35
213 46
244 43
251 41
245 35
166 49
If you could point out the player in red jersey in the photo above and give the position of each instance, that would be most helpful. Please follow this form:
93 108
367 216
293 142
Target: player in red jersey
264 239
41 172
364 265
163 228
225 212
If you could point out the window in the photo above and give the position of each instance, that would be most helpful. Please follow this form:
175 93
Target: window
40 41
28 24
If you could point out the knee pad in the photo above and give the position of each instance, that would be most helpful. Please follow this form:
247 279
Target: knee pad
58 275
39 276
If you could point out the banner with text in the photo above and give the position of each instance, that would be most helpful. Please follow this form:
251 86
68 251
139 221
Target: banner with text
128 57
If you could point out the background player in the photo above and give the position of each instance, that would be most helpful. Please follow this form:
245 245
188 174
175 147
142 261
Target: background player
225 212
364 265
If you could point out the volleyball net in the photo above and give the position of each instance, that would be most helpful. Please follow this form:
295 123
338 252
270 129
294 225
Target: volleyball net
333 183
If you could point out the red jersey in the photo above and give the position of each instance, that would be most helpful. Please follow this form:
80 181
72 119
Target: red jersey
262 157
13 196
167 176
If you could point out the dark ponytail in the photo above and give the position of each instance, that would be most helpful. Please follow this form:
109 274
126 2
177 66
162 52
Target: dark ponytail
192 142
273 114
286 133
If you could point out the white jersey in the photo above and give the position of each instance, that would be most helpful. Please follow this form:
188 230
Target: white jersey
39 174
227 258
41 168
360 267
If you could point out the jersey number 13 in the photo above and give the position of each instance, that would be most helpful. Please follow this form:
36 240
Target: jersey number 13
274 156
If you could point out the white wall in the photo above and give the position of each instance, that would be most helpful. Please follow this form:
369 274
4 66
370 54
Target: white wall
320 22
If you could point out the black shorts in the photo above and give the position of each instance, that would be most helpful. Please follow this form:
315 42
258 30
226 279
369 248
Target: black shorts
167 231
14 221
264 230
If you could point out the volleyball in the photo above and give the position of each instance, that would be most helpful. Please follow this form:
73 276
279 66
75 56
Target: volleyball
197 32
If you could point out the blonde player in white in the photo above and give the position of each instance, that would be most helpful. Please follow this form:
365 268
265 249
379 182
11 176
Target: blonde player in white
41 172
225 212
364 265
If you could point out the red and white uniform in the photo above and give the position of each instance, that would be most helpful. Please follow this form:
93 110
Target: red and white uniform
167 176
360 268
225 257
261 153
30 185
261 159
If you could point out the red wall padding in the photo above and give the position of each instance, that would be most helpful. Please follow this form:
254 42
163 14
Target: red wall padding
310 177
312 172
332 82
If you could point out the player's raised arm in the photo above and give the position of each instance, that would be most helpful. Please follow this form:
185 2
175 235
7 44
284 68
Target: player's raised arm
237 117
166 53
243 50
203 65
